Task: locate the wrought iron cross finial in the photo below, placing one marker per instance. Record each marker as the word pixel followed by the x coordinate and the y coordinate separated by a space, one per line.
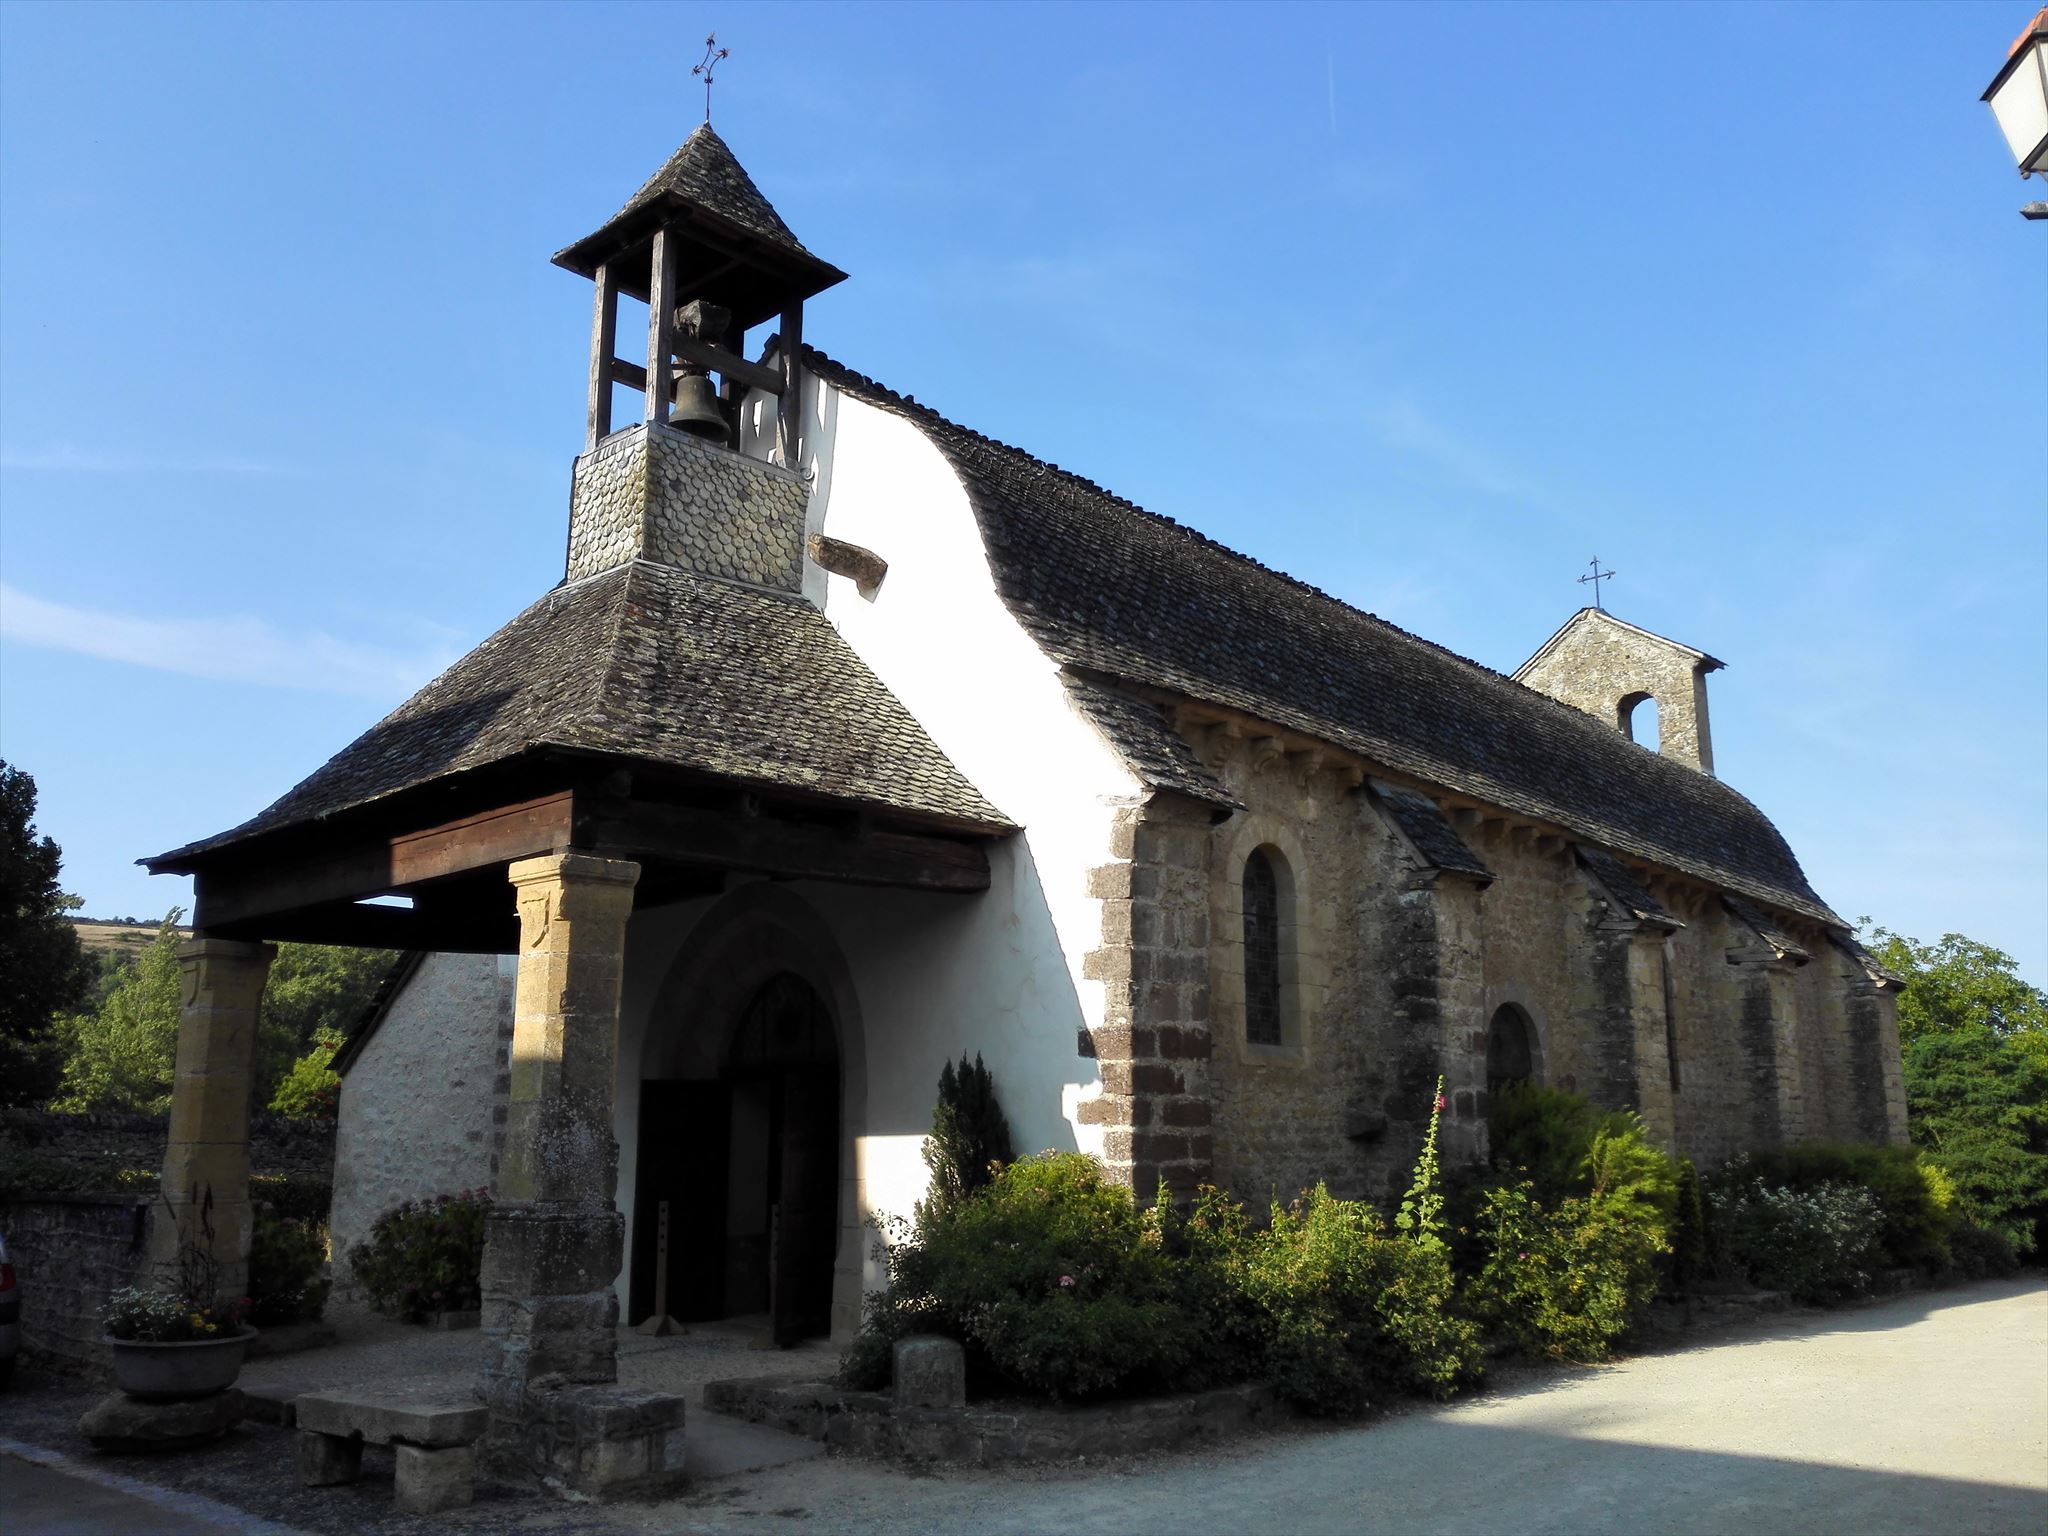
pixel 1596 578
pixel 712 54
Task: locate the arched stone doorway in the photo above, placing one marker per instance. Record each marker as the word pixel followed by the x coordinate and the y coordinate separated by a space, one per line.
pixel 1510 1050
pixel 749 1098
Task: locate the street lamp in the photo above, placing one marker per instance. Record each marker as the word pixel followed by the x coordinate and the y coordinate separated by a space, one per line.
pixel 2019 100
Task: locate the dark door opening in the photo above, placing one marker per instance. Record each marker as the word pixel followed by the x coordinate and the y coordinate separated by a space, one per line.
pixel 749 1164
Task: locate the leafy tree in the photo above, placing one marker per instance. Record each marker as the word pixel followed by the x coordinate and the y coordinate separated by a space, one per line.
pixel 1975 1039
pixel 312 987
pixel 969 1136
pixel 122 1055
pixel 43 972
pixel 311 1090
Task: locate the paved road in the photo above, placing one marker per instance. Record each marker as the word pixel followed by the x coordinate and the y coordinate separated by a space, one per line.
pixel 55 1495
pixel 1923 1414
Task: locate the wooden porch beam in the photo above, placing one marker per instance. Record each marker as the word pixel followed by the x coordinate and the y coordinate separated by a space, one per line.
pixel 656 834
pixel 233 898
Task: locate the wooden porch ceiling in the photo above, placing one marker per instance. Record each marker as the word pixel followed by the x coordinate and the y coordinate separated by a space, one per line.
pixel 454 872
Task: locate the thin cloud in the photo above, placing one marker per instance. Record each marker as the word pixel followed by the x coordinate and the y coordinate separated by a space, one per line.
pixel 1404 425
pixel 70 459
pixel 239 649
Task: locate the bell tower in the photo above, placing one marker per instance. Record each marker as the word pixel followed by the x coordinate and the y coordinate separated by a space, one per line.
pixel 701 246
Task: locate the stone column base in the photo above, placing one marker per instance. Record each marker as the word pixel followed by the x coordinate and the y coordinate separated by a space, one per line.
pixel 597 1442
pixel 550 1315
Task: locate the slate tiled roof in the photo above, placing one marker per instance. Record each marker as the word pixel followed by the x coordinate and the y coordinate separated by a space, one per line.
pixel 1870 965
pixel 1766 928
pixel 704 174
pixel 1111 589
pixel 1423 823
pixel 657 665
pixel 1142 735
pixel 1624 887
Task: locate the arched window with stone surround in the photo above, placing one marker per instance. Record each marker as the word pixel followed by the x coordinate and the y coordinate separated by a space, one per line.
pixel 1262 1018
pixel 1510 1049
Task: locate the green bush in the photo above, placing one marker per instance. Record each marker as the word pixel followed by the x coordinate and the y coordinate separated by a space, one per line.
pixel 1210 1246
pixel 1543 1135
pixel 1820 1243
pixel 1569 1279
pixel 424 1256
pixel 287 1270
pixel 1356 1314
pixel 1914 1198
pixel 303 1197
pixel 1050 1276
pixel 1691 1238
pixel 1982 1253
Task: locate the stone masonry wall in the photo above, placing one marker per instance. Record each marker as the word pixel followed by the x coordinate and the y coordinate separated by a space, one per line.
pixel 123 1140
pixel 654 493
pixel 1391 971
pixel 70 1252
pixel 418 1103
pixel 1153 1047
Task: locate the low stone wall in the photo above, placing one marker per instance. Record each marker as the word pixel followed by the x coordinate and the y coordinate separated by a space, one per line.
pixel 68 1252
pixel 870 1423
pixel 276 1144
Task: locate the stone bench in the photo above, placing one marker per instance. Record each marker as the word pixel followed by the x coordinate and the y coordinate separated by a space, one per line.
pixel 434 1439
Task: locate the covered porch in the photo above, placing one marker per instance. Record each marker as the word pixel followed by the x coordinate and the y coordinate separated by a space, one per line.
pixel 544 857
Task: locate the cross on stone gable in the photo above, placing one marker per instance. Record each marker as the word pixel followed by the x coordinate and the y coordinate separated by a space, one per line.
pixel 1596 578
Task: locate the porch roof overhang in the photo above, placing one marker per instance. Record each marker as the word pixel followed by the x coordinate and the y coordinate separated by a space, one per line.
pixel 447 846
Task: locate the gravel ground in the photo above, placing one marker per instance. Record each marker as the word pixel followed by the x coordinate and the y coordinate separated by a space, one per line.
pixel 1920 1413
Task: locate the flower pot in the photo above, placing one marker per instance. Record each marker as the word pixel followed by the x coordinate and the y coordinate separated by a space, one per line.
pixel 162 1373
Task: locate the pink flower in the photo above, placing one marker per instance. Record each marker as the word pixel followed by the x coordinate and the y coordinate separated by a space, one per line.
pixel 1441 1103
pixel 1067 1282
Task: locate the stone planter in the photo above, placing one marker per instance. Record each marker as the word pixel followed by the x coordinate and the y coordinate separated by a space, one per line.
pixel 163 1373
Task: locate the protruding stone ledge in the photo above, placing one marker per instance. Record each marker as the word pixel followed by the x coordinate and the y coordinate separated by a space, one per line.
pixel 873 1424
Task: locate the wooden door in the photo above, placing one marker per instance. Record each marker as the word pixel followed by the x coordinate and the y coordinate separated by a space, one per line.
pixel 806 1219
pixel 684 1146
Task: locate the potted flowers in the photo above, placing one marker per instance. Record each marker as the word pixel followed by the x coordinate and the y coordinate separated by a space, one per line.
pixel 178 1339
pixel 168 1346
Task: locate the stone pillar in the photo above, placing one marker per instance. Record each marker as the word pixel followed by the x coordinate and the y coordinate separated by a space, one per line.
pixel 1770 1047
pixel 554 1239
pixel 1650 1035
pixel 1153 1047
pixel 1432 943
pixel 1868 1016
pixel 206 1164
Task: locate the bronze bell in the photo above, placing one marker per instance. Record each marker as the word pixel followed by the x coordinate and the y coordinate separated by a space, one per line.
pixel 696 409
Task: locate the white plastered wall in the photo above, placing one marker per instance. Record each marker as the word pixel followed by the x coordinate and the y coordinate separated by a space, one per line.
pixel 935 976
pixel 415 1116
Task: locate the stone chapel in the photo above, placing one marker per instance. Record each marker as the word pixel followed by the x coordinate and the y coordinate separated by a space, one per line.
pixel 851 740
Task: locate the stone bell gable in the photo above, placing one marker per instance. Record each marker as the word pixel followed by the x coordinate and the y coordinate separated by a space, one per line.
pixel 1608 668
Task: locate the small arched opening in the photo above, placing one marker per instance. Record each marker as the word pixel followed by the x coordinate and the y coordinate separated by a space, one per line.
pixel 1510 1050
pixel 1640 720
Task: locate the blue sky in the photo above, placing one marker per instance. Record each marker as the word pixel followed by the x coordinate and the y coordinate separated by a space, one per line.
pixel 1427 305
